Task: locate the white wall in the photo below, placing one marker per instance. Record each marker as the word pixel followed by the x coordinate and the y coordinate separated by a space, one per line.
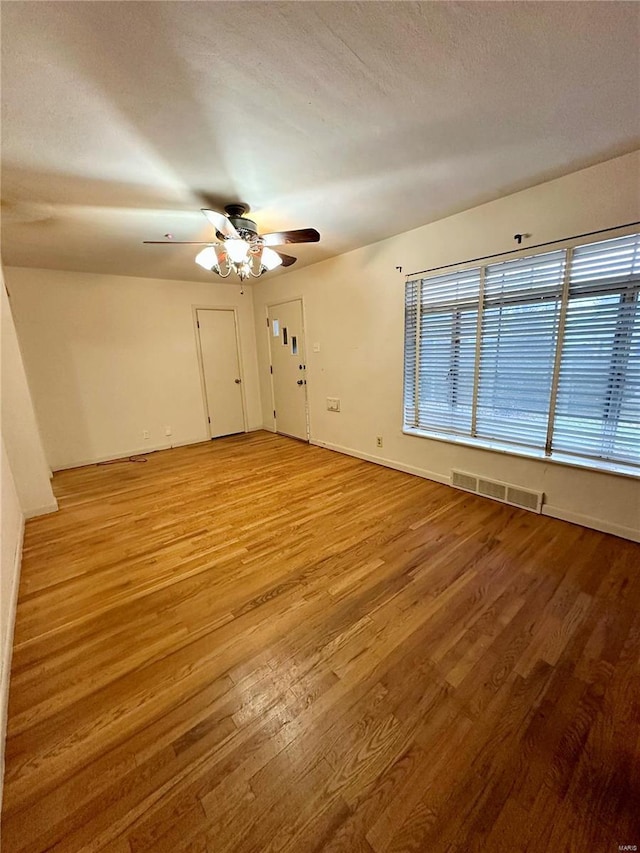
pixel 110 356
pixel 19 425
pixel 26 490
pixel 11 549
pixel 354 306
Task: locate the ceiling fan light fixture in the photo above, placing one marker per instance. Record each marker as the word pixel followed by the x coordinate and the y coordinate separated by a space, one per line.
pixel 240 257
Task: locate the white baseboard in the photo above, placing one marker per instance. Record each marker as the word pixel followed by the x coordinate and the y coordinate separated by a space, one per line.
pixel 123 454
pixel 141 451
pixel 381 460
pixel 7 651
pixel 41 510
pixel 547 509
pixel 593 523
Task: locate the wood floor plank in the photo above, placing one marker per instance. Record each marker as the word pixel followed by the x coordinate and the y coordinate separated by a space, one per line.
pixel 255 645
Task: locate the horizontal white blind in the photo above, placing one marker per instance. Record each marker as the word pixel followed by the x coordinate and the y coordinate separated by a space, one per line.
pixel 519 334
pixel 410 338
pixel 606 264
pixel 598 403
pixel 446 351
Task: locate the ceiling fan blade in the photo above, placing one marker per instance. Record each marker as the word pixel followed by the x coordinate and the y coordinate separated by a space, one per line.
pixel 280 238
pixel 287 260
pixel 221 223
pixel 179 242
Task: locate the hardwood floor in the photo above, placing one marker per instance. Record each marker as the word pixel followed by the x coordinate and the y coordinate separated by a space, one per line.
pixel 257 645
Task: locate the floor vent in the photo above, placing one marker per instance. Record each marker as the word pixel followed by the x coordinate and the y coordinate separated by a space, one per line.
pixel 464 481
pixel 513 495
pixel 492 490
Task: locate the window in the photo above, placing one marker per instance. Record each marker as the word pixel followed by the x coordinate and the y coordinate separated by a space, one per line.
pixel 439 379
pixel 540 353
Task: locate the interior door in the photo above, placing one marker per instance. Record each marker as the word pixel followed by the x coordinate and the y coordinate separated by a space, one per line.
pixel 224 400
pixel 286 342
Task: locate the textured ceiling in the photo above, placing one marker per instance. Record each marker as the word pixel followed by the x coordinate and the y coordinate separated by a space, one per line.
pixel 122 119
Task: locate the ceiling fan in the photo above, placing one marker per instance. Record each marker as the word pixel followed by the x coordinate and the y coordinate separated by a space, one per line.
pixel 239 247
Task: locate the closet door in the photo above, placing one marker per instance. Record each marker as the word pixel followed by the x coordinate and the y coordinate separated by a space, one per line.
pixel 217 334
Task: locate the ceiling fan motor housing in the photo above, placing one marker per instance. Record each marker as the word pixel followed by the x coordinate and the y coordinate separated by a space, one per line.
pixel 245 227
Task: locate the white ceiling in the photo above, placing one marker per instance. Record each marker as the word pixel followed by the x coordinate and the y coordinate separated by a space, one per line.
pixel 122 119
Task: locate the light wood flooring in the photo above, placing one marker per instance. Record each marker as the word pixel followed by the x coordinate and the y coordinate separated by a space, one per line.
pixel 255 645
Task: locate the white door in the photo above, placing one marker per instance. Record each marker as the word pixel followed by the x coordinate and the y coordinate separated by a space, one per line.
pixel 286 342
pixel 221 371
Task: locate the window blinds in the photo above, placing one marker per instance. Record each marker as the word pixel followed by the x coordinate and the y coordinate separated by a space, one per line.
pixel 598 404
pixel 440 362
pixel 541 352
pixel 518 343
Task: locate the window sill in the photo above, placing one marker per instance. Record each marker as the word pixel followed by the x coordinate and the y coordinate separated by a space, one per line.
pixel 619 469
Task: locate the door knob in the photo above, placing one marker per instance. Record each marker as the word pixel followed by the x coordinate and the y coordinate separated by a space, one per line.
pixel 299 382
pixel 237 381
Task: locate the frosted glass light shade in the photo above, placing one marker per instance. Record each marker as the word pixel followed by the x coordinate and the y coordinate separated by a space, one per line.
pixel 207 258
pixel 270 259
pixel 237 250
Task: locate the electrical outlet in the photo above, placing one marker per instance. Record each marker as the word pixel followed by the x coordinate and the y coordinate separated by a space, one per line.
pixel 333 404
pixel 167 430
pixel 146 433
pixel 379 441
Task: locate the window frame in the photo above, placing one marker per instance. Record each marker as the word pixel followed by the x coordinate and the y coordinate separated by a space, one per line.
pixel 500 445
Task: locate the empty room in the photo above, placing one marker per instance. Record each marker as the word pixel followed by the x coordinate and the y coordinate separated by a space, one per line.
pixel 320 427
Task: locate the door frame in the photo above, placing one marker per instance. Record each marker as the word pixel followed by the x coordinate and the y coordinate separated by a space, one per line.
pixel 267 306
pixel 203 387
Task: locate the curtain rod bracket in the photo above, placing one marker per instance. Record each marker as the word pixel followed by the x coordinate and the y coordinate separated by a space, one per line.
pixel 520 237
